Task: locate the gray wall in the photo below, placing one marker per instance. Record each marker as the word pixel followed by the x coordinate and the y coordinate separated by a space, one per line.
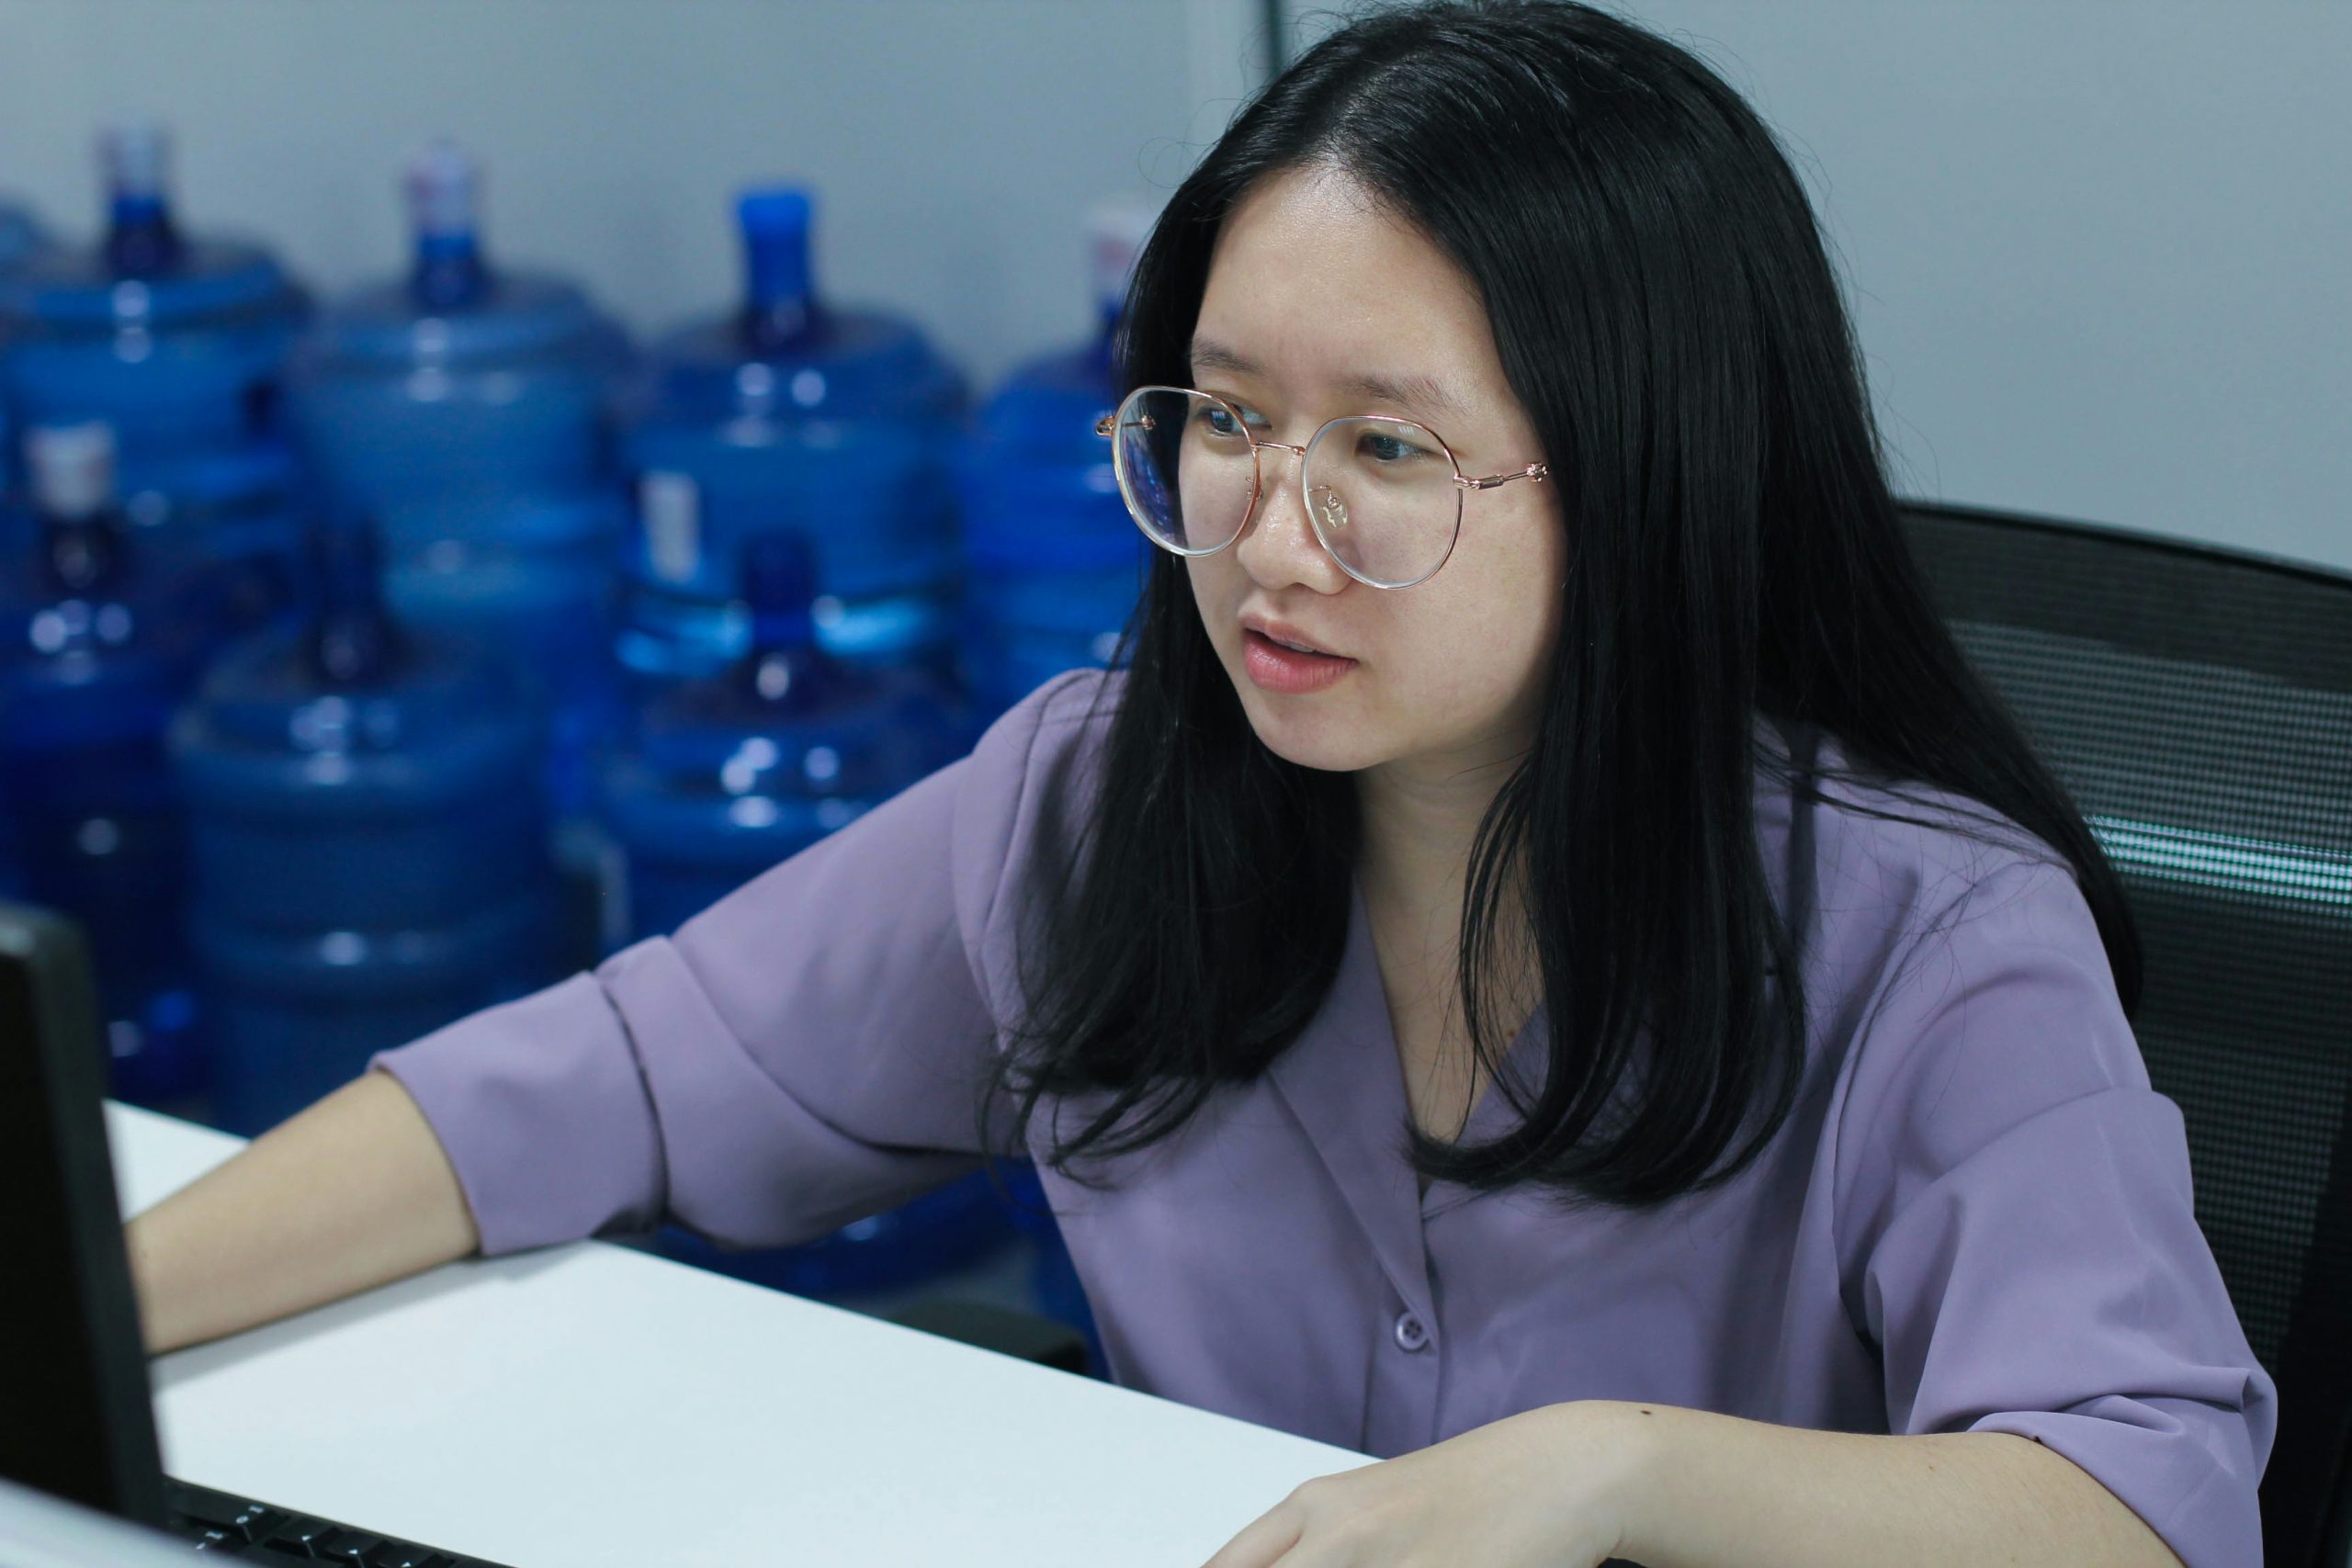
pixel 2100 254
pixel 956 144
pixel 2096 250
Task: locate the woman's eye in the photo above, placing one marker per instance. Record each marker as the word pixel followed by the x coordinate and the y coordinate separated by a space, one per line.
pixel 1221 421
pixel 1388 448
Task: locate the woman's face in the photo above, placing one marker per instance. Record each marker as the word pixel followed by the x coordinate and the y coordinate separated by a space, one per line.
pixel 1319 305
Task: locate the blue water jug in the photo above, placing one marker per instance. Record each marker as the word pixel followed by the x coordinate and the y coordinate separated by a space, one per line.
pixel 178 343
pixel 1052 563
pixel 467 408
pixel 721 778
pixel 788 413
pixel 368 839
pixel 103 636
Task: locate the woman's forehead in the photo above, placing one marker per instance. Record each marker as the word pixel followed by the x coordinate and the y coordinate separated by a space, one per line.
pixel 1311 278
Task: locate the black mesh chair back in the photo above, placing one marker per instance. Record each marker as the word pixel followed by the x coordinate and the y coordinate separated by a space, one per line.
pixel 2199 705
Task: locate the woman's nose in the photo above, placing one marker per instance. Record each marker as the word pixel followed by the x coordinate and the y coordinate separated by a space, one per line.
pixel 1278 547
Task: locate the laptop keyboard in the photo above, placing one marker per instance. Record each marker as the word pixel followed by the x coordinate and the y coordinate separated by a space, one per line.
pixel 256 1533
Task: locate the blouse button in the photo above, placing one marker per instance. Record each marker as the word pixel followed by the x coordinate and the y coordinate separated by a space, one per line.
pixel 1411 1335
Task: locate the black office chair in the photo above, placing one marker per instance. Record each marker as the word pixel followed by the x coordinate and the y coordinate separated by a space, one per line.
pixel 2197 702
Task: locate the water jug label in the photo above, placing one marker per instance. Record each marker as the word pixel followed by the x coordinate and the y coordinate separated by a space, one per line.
pixel 671 508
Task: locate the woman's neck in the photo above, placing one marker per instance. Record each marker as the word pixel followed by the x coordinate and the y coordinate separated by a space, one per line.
pixel 1420 826
pixel 1419 823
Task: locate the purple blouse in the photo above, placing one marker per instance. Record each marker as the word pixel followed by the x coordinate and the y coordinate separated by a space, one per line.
pixel 1977 1218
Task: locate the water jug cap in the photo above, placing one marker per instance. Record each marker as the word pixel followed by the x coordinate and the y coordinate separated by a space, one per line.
pixel 774 209
pixel 775 221
pixel 443 182
pixel 1116 229
pixel 136 157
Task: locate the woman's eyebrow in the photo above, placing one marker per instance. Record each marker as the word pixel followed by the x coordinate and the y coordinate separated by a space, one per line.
pixel 1208 355
pixel 1425 393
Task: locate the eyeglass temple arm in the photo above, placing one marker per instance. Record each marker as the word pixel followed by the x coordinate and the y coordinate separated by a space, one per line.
pixel 1535 471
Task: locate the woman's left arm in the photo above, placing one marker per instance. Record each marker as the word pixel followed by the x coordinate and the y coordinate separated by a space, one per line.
pixel 1572 1485
pixel 1718 1491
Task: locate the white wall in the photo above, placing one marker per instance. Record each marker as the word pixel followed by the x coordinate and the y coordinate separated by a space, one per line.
pixel 955 144
pixel 2100 254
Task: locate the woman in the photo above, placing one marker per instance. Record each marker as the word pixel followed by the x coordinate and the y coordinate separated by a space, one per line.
pixel 1532 686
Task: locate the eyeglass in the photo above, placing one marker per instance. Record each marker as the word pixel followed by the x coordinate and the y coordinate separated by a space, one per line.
pixel 1384 494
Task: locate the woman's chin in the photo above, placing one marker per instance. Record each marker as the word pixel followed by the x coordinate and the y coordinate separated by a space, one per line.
pixel 1323 736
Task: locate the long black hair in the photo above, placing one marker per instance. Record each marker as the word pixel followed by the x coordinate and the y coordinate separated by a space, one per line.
pixel 1668 317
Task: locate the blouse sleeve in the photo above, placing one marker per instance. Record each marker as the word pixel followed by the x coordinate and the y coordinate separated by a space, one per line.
pixel 2016 1233
pixel 810 1050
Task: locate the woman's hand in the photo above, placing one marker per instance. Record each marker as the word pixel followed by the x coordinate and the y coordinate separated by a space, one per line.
pixel 1543 1489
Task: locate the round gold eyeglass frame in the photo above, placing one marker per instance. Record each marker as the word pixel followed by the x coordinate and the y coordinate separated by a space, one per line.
pixel 1108 427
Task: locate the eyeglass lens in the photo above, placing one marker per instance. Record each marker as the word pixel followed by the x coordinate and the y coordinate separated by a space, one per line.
pixel 1380 491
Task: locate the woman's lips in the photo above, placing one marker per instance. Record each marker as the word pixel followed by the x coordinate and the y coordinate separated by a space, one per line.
pixel 1272 667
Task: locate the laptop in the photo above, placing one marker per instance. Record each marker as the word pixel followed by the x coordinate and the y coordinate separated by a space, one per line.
pixel 76 1416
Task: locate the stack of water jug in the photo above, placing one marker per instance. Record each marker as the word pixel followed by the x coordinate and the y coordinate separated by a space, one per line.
pixel 365 661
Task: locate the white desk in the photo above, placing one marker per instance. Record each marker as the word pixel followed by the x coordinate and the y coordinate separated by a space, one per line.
pixel 592 1405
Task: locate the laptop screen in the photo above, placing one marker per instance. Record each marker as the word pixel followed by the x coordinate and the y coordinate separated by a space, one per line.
pixel 76 1418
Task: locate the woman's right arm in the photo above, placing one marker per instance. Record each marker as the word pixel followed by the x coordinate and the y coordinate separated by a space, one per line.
pixel 352 1192
pixel 811 1050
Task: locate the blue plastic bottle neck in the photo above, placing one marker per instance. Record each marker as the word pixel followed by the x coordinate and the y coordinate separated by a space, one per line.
pixel 780 309
pixel 353 640
pixel 141 240
pixel 83 556
pixel 449 273
pixel 70 480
